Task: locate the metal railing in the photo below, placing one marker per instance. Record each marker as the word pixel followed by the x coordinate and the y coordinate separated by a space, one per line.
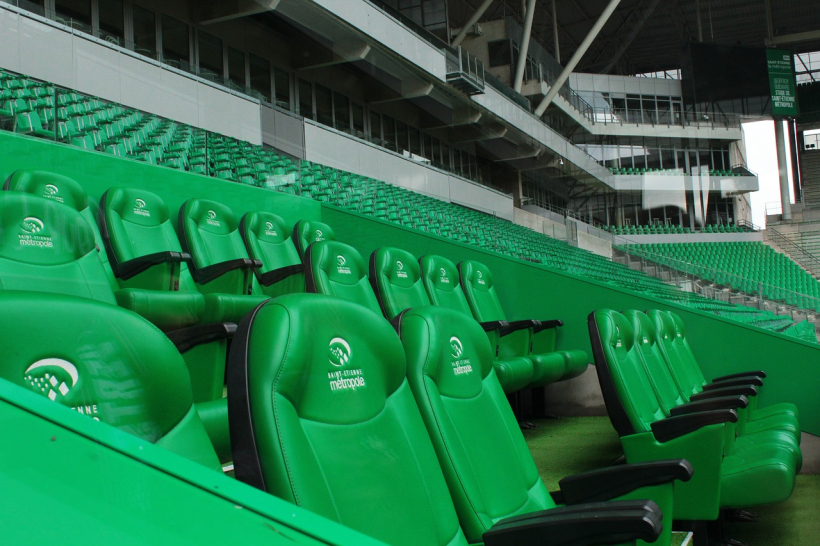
pixel 465 71
pixel 796 251
pixel 617 116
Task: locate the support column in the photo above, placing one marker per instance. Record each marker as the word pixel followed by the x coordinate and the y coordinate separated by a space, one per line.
pixel 700 24
pixel 525 46
pixel 780 138
pixel 576 58
pixel 470 22
pixel 796 147
pixel 555 33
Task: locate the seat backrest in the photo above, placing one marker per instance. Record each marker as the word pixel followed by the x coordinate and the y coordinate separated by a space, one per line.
pixel 336 269
pixel 628 394
pixel 104 362
pixel 396 279
pixel 689 379
pixel 209 232
pixel 684 351
pixel 136 223
pixel 648 342
pixel 48 247
pixel 306 232
pixel 321 415
pixel 67 191
pixel 441 281
pixel 487 464
pixel 477 284
pixel 268 240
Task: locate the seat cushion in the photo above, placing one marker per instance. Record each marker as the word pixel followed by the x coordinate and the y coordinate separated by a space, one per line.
pixel 513 373
pixel 547 368
pixel 165 310
pixel 229 307
pixel 576 362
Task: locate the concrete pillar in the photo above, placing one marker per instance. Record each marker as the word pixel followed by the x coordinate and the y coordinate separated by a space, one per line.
pixel 782 159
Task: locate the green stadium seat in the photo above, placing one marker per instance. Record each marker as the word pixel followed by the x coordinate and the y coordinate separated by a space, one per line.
pixel 549 365
pixel 336 269
pixel 441 282
pixel 306 232
pixel 323 417
pixel 722 479
pixel 117 368
pixel 450 371
pixel 268 240
pixel 396 279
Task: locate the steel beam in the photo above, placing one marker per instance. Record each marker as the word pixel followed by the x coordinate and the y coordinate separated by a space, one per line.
pixel 809 36
pixel 525 47
pixel 635 28
pixel 579 53
pixel 470 22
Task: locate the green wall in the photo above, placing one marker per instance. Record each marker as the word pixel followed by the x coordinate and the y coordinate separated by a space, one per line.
pixel 530 290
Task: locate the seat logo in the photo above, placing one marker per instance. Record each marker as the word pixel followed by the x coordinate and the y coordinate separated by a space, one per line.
pixel 456 348
pixel 139 208
pixel 339 352
pixel 268 225
pixel 51 189
pixel 399 265
pixel 211 220
pixel 211 215
pixel 443 272
pixel 340 260
pixel 32 225
pixel 269 229
pixel 53 377
pixel 479 274
pixel 319 235
pixel 139 203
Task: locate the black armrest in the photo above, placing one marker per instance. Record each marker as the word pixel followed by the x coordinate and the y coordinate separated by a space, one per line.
pixel 759 373
pixel 745 390
pixel 204 275
pixel 718 403
pixel 680 425
pixel 126 270
pixel 275 275
pixel 748 380
pixel 504 327
pixel 608 483
pixel 546 325
pixel 187 338
pixel 596 523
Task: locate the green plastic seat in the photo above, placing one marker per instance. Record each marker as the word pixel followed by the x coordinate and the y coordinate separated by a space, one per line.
pixel 549 365
pixel 306 232
pixel 322 416
pixel 396 279
pixel 336 269
pixel 103 362
pixel 440 278
pixel 268 240
pixel 690 381
pixel 721 479
pixel 476 436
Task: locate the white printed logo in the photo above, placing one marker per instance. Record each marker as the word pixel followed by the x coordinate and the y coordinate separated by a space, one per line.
pixel 51 189
pixel 211 215
pixel 399 265
pixel 32 225
pixel 479 274
pixel 319 235
pixel 139 208
pixel 339 352
pixel 211 220
pixel 139 203
pixel 52 376
pixel 268 225
pixel 456 348
pixel 340 260
pixel 443 272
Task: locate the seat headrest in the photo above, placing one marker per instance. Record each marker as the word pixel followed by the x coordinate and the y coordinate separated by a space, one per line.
pixel 49 185
pixel 643 329
pixel 306 232
pixel 396 266
pixel 340 262
pixel 136 206
pixel 40 231
pixel 209 216
pixel 664 325
pixel 439 272
pixel 266 226
pixel 614 329
pixel 476 274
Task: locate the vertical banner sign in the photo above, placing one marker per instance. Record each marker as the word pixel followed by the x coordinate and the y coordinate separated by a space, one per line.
pixel 781 82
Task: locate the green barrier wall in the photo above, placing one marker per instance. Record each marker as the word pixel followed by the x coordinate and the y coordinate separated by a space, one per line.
pixel 530 290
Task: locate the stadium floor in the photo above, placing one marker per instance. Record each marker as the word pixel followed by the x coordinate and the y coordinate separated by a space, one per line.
pixel 569 445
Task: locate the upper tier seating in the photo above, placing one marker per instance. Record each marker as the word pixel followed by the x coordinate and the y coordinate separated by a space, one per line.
pixel 268 240
pixel 311 376
pixel 724 476
pixel 476 435
pixel 479 290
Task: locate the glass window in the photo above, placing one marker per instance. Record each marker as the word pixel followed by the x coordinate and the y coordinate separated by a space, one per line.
pixel 112 27
pixel 375 128
pixel 34 6
pixel 499 53
pixel 427 142
pixel 358 119
pixel 210 57
pixel 415 140
pixel 445 156
pixel 281 84
pixel 306 99
pixel 324 105
pixel 176 45
pixel 401 136
pixel 74 13
pixel 145 32
pixel 390 133
pixel 341 109
pixel 260 76
pixel 236 67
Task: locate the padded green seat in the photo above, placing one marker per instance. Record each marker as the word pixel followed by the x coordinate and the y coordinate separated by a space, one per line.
pixel 549 365
pixel 476 436
pixel 721 479
pixel 441 282
pixel 396 279
pixel 690 382
pixel 268 240
pixel 336 269
pixel 306 232
pixel 104 362
pixel 322 416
